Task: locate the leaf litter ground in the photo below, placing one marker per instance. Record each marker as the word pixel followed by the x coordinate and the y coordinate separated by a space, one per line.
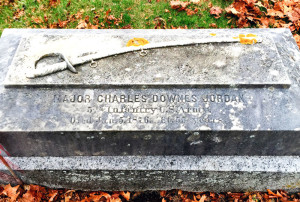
pixel 35 193
pixel 147 14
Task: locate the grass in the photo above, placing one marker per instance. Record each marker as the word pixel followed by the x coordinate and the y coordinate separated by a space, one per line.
pixel 137 14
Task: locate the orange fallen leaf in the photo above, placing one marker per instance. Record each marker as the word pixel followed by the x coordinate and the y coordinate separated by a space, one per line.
pixel 297 38
pixel 52 194
pixel 11 192
pixel 125 195
pixel 29 197
pixel 203 198
pixel 277 195
pixel 37 20
pixel 294 15
pixel 274 13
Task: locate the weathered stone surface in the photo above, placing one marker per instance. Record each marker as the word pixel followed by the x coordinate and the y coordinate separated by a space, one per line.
pixel 212 60
pixel 164 107
pixel 194 173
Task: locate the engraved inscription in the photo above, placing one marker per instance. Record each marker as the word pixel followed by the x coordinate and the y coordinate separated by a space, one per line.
pixel 139 109
pixel 110 98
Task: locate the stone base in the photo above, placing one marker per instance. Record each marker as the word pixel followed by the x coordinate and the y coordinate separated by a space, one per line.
pixel 238 135
pixel 140 173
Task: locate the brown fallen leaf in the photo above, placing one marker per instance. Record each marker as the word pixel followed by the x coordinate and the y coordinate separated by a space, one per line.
pixel 216 11
pixel 82 24
pixel 53 3
pixel 19 13
pixel 179 5
pixel 213 25
pixel 191 12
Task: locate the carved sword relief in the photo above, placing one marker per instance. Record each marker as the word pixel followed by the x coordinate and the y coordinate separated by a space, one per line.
pixel 135 44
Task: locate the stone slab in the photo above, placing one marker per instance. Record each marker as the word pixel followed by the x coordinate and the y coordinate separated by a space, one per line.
pixel 226 127
pixel 193 173
pixel 218 60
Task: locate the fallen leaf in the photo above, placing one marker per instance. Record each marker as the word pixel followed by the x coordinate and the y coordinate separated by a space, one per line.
pixel 52 194
pixel 108 12
pixel 125 195
pixel 179 5
pixel 82 24
pixel 196 1
pixel 127 27
pixel 297 39
pixel 28 197
pixel 68 195
pixel 213 25
pixel 264 21
pixel 62 24
pixel 294 15
pixel 216 11
pixel 19 13
pixel 11 192
pixel 54 2
pixel 160 23
pixel 163 193
pixel 37 20
pixel 203 198
pixel 274 13
pixel 231 10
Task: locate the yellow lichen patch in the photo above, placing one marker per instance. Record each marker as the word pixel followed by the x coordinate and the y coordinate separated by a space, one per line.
pixel 251 35
pixel 213 34
pixel 137 42
pixel 247 39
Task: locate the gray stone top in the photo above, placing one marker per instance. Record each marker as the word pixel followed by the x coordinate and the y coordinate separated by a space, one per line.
pixel 215 85
pixel 171 59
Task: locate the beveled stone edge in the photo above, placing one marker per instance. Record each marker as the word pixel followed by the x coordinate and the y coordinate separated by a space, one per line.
pixel 276 164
